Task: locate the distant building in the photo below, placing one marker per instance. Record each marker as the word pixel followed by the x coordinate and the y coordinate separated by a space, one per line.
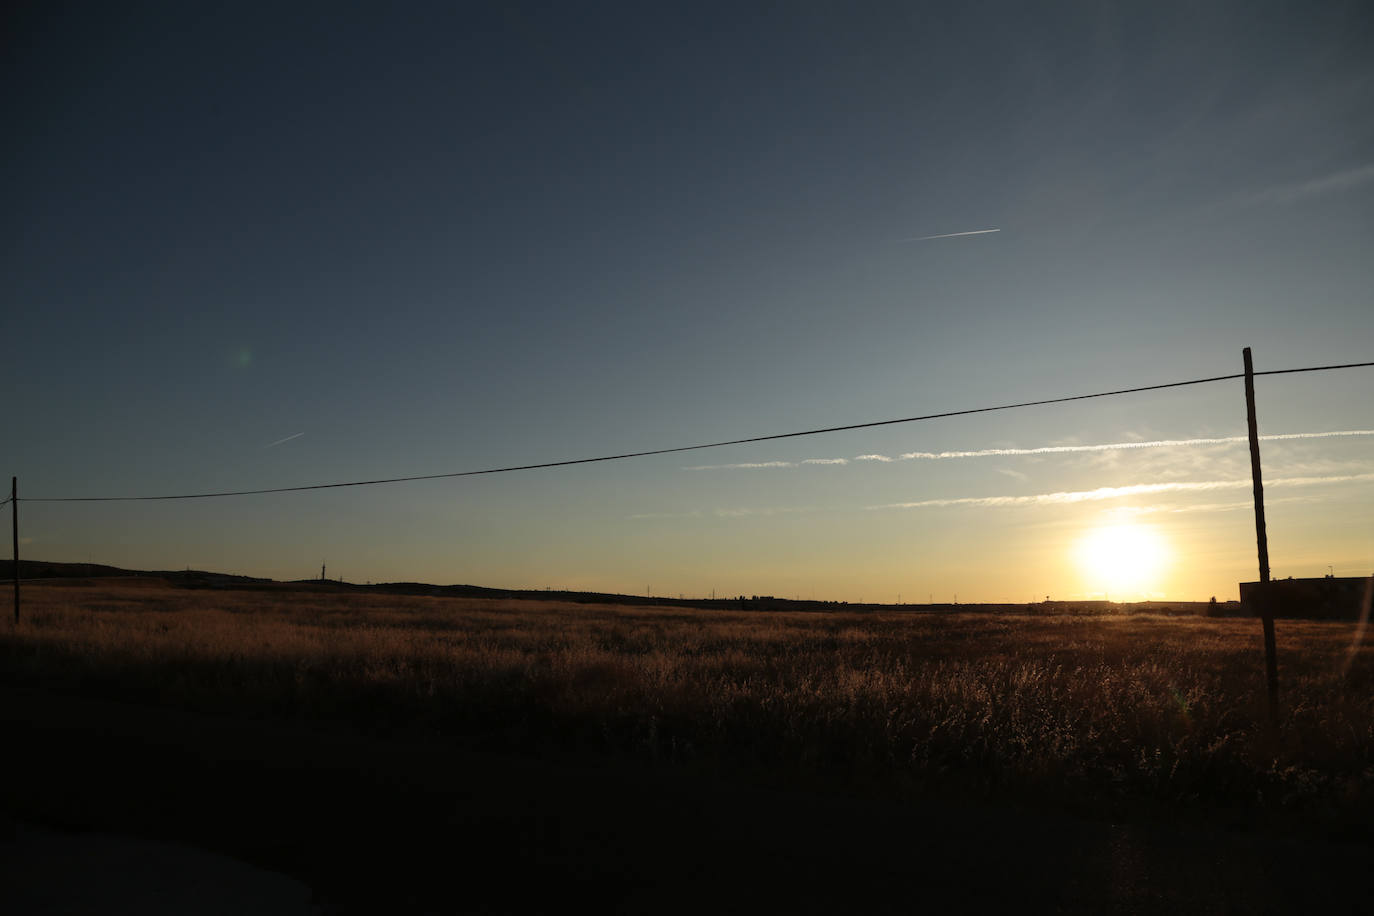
pixel 1327 598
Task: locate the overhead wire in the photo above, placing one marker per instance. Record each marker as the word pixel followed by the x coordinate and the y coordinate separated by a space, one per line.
pixel 688 448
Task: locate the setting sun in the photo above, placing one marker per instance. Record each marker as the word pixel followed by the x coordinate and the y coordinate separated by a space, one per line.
pixel 1123 561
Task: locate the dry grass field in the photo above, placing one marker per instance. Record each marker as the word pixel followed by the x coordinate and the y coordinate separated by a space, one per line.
pixel 1086 711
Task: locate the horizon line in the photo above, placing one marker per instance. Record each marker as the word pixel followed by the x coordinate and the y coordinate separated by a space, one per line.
pixel 667 597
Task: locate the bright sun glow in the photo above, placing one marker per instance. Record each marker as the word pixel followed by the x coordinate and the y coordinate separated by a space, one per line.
pixel 1124 562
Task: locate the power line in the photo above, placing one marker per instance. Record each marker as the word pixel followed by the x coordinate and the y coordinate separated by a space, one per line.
pixel 687 448
pixel 1307 369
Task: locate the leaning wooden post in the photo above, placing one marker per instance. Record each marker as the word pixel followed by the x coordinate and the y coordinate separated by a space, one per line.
pixel 14 529
pixel 1266 608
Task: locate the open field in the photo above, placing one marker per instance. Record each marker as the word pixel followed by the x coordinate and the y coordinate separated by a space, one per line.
pixel 1094 713
pixel 408 754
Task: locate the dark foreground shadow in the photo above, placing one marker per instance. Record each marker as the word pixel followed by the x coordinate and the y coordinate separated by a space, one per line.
pixel 46 871
pixel 392 826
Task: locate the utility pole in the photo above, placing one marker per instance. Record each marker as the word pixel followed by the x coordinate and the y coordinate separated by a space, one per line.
pixel 14 526
pixel 1266 608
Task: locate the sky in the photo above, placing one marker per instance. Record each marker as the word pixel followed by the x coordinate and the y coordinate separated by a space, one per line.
pixel 272 245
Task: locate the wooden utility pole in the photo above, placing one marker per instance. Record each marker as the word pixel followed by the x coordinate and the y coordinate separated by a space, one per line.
pixel 1266 608
pixel 14 526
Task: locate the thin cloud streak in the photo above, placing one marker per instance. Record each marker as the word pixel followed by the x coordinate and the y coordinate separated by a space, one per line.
pixel 280 441
pixel 724 512
pixel 1139 489
pixel 1176 509
pixel 745 511
pixel 1061 498
pixel 1315 187
pixel 745 466
pixel 950 235
pixel 1120 446
pixel 1041 450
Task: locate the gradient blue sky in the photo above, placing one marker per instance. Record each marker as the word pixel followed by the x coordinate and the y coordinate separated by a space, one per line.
pixel 432 238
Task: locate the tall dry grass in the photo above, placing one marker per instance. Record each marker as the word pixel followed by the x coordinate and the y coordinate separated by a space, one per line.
pixel 1094 709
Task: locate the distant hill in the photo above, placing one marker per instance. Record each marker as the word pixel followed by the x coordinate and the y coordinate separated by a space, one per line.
pixel 43 569
pixel 40 569
pixel 196 578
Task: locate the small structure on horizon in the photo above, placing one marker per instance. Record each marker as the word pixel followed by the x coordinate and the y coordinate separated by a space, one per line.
pixel 1327 598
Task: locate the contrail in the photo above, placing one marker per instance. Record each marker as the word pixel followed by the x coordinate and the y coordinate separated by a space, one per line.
pixel 1117 446
pixel 745 466
pixel 1040 450
pixel 280 441
pixel 950 235
pixel 1139 489
pixel 1069 497
pixel 1326 184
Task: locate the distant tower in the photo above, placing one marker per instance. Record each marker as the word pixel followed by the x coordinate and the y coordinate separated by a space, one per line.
pixel 321 572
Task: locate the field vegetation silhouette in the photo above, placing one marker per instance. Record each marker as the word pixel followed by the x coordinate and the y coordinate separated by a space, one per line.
pixel 1090 711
